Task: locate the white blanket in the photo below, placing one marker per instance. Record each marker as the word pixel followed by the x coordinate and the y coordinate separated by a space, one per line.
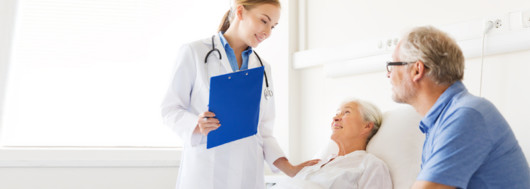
pixel 357 169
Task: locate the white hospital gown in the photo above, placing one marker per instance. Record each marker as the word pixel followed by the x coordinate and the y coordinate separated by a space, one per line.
pixel 357 169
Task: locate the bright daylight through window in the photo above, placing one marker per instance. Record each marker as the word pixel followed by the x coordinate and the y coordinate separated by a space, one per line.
pixel 93 73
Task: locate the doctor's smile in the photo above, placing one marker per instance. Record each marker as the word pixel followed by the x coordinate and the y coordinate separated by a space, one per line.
pixel 260 39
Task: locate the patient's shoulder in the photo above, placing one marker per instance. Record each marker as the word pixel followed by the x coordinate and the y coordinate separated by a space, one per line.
pixel 364 159
pixel 370 160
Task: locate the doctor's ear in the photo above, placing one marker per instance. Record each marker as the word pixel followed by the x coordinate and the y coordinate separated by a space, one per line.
pixel 239 12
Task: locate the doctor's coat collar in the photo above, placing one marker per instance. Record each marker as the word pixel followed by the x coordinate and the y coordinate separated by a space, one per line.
pixel 218 45
pixel 252 60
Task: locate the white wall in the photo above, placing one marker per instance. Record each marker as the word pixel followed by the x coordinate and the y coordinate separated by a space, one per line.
pixel 73 168
pixel 340 22
pixel 88 178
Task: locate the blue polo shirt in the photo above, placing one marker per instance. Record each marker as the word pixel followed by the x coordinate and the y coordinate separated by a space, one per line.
pixel 232 57
pixel 468 144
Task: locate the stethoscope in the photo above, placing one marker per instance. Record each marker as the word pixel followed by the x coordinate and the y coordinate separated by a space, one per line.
pixel 267 92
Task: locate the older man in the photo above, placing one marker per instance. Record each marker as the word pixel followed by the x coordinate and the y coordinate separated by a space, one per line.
pixel 468 143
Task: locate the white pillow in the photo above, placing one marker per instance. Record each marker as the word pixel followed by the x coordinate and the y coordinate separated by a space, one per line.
pixel 399 143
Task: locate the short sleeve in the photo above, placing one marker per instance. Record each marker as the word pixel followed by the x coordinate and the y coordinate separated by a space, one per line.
pixel 459 147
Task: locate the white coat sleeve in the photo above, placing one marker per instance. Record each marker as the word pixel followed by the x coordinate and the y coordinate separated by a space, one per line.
pixel 376 175
pixel 271 148
pixel 176 104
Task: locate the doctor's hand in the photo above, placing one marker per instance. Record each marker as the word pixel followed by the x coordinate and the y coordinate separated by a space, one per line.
pixel 291 170
pixel 206 123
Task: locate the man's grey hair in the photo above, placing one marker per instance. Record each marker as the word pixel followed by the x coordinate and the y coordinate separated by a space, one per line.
pixel 438 52
pixel 369 113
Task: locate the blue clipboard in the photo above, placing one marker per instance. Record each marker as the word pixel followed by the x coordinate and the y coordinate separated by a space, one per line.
pixel 235 100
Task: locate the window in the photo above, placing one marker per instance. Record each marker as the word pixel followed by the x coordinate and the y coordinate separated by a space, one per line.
pixel 94 72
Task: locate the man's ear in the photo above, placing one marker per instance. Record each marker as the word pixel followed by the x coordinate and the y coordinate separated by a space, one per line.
pixel 418 71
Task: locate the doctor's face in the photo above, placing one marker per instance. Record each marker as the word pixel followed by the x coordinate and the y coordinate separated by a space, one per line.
pixel 257 23
pixel 347 124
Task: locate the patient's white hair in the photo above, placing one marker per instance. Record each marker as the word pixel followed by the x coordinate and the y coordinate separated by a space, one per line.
pixel 370 113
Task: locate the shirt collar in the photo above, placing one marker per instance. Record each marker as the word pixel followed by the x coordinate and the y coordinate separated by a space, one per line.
pixel 229 49
pixel 430 118
pixel 223 40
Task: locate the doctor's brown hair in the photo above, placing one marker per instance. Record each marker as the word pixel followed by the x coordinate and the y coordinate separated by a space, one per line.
pixel 247 4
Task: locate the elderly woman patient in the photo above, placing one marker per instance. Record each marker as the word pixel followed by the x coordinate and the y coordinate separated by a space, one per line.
pixel 353 126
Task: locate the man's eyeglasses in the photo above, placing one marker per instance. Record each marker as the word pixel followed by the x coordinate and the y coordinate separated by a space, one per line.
pixel 389 65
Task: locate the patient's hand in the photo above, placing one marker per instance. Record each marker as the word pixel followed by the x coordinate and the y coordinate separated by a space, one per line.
pixel 291 170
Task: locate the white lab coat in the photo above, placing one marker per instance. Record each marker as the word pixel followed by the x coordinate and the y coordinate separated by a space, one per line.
pixel 237 164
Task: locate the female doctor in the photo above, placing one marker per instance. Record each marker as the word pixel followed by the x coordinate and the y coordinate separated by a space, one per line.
pixel 237 164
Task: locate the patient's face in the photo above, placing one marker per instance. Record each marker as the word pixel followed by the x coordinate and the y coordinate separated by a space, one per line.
pixel 347 123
